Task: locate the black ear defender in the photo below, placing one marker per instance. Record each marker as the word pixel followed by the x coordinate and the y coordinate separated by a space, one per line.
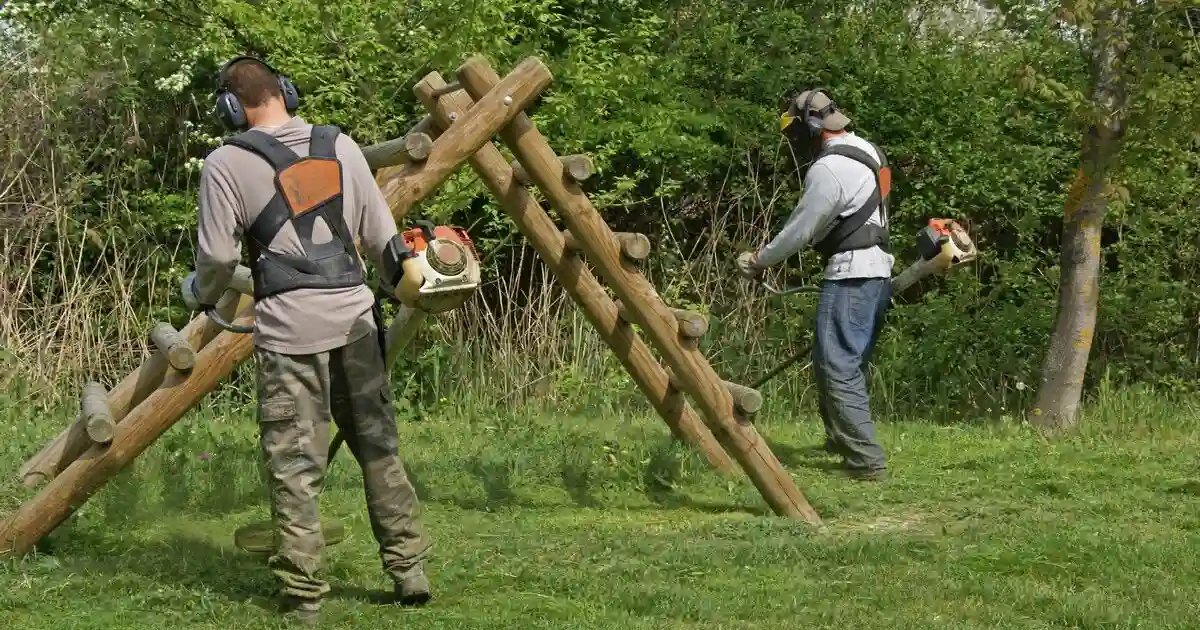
pixel 229 109
pixel 815 125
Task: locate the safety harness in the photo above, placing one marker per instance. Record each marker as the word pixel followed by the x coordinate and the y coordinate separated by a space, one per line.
pixel 306 189
pixel 854 232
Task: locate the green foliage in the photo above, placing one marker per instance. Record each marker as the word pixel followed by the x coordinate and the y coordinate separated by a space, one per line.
pixel 676 102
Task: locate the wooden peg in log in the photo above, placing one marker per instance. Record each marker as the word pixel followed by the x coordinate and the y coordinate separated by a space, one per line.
pixel 578 168
pixel 96 417
pixel 746 400
pixel 417 146
pixel 691 324
pixel 173 346
pixel 634 246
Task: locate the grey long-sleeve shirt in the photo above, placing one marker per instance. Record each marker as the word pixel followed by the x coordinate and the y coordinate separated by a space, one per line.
pixel 235 185
pixel 834 186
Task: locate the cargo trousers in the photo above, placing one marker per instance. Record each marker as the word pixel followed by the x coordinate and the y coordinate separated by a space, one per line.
pixel 850 315
pixel 298 396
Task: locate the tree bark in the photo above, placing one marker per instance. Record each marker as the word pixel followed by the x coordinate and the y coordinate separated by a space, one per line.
pixel 1058 399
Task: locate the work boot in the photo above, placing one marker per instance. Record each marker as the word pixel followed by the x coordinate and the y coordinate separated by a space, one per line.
pixel 302 612
pixel 413 589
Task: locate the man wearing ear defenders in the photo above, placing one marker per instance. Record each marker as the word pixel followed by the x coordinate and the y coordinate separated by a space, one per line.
pixel 299 196
pixel 843 214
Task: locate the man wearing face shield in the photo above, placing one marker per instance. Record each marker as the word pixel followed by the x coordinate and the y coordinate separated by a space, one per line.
pixel 843 214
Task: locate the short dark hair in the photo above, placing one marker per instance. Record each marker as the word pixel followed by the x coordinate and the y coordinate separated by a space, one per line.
pixel 252 83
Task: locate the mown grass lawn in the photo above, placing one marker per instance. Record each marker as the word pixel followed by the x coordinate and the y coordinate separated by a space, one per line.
pixel 598 522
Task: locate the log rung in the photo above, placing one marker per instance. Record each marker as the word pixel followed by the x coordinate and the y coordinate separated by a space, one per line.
pixel 448 88
pixel 97 417
pixel 634 246
pixel 746 400
pixel 577 168
pixel 417 146
pixel 173 346
pixel 692 325
pixel 396 152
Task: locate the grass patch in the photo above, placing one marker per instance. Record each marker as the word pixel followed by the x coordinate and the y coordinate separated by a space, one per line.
pixel 600 521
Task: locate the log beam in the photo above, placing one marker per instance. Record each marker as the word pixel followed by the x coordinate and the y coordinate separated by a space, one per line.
pixel 578 167
pixel 468 133
pixel 173 346
pixel 634 246
pixel 56 455
pixel 596 241
pixel 575 278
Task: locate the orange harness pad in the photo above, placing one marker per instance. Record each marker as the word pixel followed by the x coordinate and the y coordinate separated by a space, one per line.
pixel 309 183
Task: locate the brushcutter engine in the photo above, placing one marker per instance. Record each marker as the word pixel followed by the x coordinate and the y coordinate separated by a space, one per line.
pixel 450 271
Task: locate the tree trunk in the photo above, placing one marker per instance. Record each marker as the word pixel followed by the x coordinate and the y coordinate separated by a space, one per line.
pixel 1057 404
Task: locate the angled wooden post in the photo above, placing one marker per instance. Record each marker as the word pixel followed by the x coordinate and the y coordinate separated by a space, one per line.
pixel 576 279
pixel 468 133
pixel 599 245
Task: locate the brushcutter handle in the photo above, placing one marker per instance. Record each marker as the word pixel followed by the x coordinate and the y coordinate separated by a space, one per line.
pixel 234 328
pixel 808 288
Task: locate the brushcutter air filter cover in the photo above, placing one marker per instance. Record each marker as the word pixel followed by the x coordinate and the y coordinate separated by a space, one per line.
pixel 449 265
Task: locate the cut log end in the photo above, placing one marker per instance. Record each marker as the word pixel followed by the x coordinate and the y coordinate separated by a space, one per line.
pixel 418 146
pixel 577 168
pixel 745 400
pixel 97 417
pixel 634 246
pixel 173 346
pixel 692 325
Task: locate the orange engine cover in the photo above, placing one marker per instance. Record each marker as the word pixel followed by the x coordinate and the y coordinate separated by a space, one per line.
pixel 415 238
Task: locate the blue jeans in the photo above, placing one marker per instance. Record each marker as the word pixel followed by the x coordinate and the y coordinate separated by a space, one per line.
pixel 850 315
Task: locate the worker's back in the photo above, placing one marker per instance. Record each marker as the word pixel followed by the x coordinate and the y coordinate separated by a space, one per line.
pixel 301 320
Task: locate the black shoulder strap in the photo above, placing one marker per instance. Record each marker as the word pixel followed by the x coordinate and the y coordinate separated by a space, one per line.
pixel 324 141
pixel 845 227
pixel 265 145
pixel 854 153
